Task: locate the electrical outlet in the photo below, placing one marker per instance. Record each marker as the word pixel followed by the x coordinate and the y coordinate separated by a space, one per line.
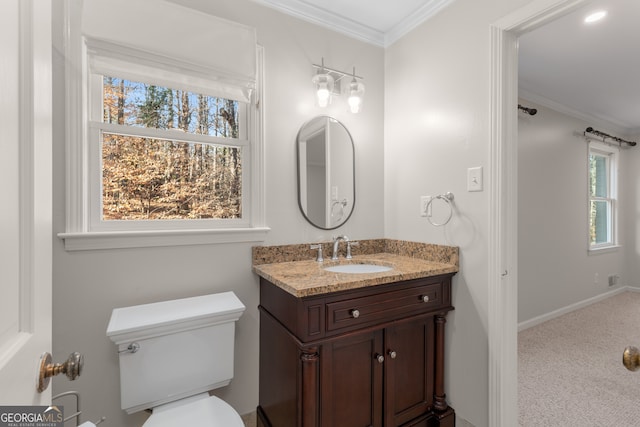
pixel 595 278
pixel 425 207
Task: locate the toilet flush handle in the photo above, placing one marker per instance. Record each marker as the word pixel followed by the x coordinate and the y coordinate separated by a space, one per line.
pixel 132 348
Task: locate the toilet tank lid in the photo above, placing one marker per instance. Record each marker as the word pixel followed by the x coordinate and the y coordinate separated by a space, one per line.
pixel 147 320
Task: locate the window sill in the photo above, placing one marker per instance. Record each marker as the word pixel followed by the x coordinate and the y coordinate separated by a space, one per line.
pixel 145 239
pixel 603 250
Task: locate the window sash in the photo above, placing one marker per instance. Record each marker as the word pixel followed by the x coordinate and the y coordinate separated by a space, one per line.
pixel 96 121
pixel 170 134
pixel 96 127
pixel 96 223
pixel 602 212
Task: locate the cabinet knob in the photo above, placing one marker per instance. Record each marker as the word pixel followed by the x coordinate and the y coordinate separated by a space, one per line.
pixel 355 313
pixel 392 354
pixel 379 358
pixel 425 298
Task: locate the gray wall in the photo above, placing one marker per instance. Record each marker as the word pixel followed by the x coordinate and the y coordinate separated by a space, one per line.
pixel 89 284
pixel 555 269
pixel 437 125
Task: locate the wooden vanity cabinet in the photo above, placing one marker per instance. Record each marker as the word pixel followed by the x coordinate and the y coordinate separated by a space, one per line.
pixel 370 357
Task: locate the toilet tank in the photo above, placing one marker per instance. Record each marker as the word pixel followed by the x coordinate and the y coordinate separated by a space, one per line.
pixel 174 349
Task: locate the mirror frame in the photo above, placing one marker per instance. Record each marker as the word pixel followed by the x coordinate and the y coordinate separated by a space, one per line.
pixel 353 169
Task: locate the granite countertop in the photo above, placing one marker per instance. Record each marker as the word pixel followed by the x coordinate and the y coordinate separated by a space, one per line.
pixel 306 277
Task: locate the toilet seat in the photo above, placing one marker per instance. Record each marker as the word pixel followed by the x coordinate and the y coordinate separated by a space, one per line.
pixel 200 410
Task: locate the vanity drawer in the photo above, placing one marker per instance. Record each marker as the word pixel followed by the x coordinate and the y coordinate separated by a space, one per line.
pixel 385 306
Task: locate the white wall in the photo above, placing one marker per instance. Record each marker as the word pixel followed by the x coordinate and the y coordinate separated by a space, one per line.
pixel 437 116
pixel 88 285
pixel 554 267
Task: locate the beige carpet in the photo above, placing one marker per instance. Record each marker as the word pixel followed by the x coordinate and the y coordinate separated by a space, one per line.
pixel 570 370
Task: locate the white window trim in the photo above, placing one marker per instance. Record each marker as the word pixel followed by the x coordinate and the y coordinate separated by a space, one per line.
pixel 613 153
pixel 78 236
pixel 96 127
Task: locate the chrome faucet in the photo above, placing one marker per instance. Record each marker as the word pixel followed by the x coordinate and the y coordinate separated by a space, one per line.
pixel 336 242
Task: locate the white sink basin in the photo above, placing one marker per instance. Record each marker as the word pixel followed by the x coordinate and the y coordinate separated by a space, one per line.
pixel 358 268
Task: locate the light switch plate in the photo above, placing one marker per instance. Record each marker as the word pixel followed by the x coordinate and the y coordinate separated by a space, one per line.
pixel 474 179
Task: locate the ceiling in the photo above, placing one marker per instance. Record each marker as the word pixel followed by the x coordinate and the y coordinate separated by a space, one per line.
pixel 588 71
pixel 591 70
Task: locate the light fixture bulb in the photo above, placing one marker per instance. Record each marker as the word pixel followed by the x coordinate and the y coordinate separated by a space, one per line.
pixel 324 87
pixel 596 16
pixel 356 92
pixel 323 95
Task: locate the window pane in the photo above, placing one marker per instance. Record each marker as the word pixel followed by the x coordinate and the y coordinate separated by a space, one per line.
pixel 148 179
pixel 598 175
pixel 599 222
pixel 137 104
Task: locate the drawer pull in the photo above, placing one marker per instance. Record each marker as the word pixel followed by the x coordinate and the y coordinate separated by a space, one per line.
pixel 355 313
pixel 425 298
pixel 379 358
pixel 392 354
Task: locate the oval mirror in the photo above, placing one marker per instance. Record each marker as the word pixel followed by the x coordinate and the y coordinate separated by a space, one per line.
pixel 326 172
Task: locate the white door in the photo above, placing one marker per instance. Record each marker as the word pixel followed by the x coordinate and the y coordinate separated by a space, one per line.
pixel 25 199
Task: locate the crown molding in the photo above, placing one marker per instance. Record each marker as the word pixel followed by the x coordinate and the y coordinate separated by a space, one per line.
pixel 327 19
pixel 428 10
pixel 597 120
pixel 351 28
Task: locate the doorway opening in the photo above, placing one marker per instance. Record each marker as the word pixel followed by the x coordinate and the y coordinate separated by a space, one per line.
pixel 503 256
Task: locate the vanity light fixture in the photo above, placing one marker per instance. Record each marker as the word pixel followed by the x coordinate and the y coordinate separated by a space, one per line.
pixel 327 83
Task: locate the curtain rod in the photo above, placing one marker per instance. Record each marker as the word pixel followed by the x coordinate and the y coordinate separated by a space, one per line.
pixel 530 111
pixel 606 136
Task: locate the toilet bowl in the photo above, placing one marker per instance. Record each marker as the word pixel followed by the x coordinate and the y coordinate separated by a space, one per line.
pixel 172 353
pixel 199 410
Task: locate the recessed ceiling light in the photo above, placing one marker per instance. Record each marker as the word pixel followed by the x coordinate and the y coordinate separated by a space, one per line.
pixel 596 16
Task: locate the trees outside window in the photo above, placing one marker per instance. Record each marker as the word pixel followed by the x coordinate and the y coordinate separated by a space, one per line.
pixel 169 154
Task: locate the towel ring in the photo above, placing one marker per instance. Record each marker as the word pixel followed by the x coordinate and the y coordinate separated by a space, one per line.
pixel 448 198
pixel 338 212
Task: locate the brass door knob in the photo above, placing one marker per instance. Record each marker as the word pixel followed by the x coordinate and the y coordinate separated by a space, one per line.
pixel 631 358
pixel 72 368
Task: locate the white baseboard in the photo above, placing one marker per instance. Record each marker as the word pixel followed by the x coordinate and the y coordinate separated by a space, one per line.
pixel 568 309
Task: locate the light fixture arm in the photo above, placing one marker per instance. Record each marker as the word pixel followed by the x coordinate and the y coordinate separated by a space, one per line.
pixel 340 74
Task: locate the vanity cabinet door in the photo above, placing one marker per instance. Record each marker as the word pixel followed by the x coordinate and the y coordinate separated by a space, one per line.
pixel 351 377
pixel 409 370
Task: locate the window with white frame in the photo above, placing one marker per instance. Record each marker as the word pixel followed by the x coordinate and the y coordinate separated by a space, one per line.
pixel 166 158
pixel 603 170
pixel 164 134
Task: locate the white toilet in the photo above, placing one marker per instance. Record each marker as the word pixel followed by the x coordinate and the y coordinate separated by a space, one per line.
pixel 172 353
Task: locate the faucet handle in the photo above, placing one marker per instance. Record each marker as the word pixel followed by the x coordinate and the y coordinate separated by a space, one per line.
pixel 349 244
pixel 319 258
